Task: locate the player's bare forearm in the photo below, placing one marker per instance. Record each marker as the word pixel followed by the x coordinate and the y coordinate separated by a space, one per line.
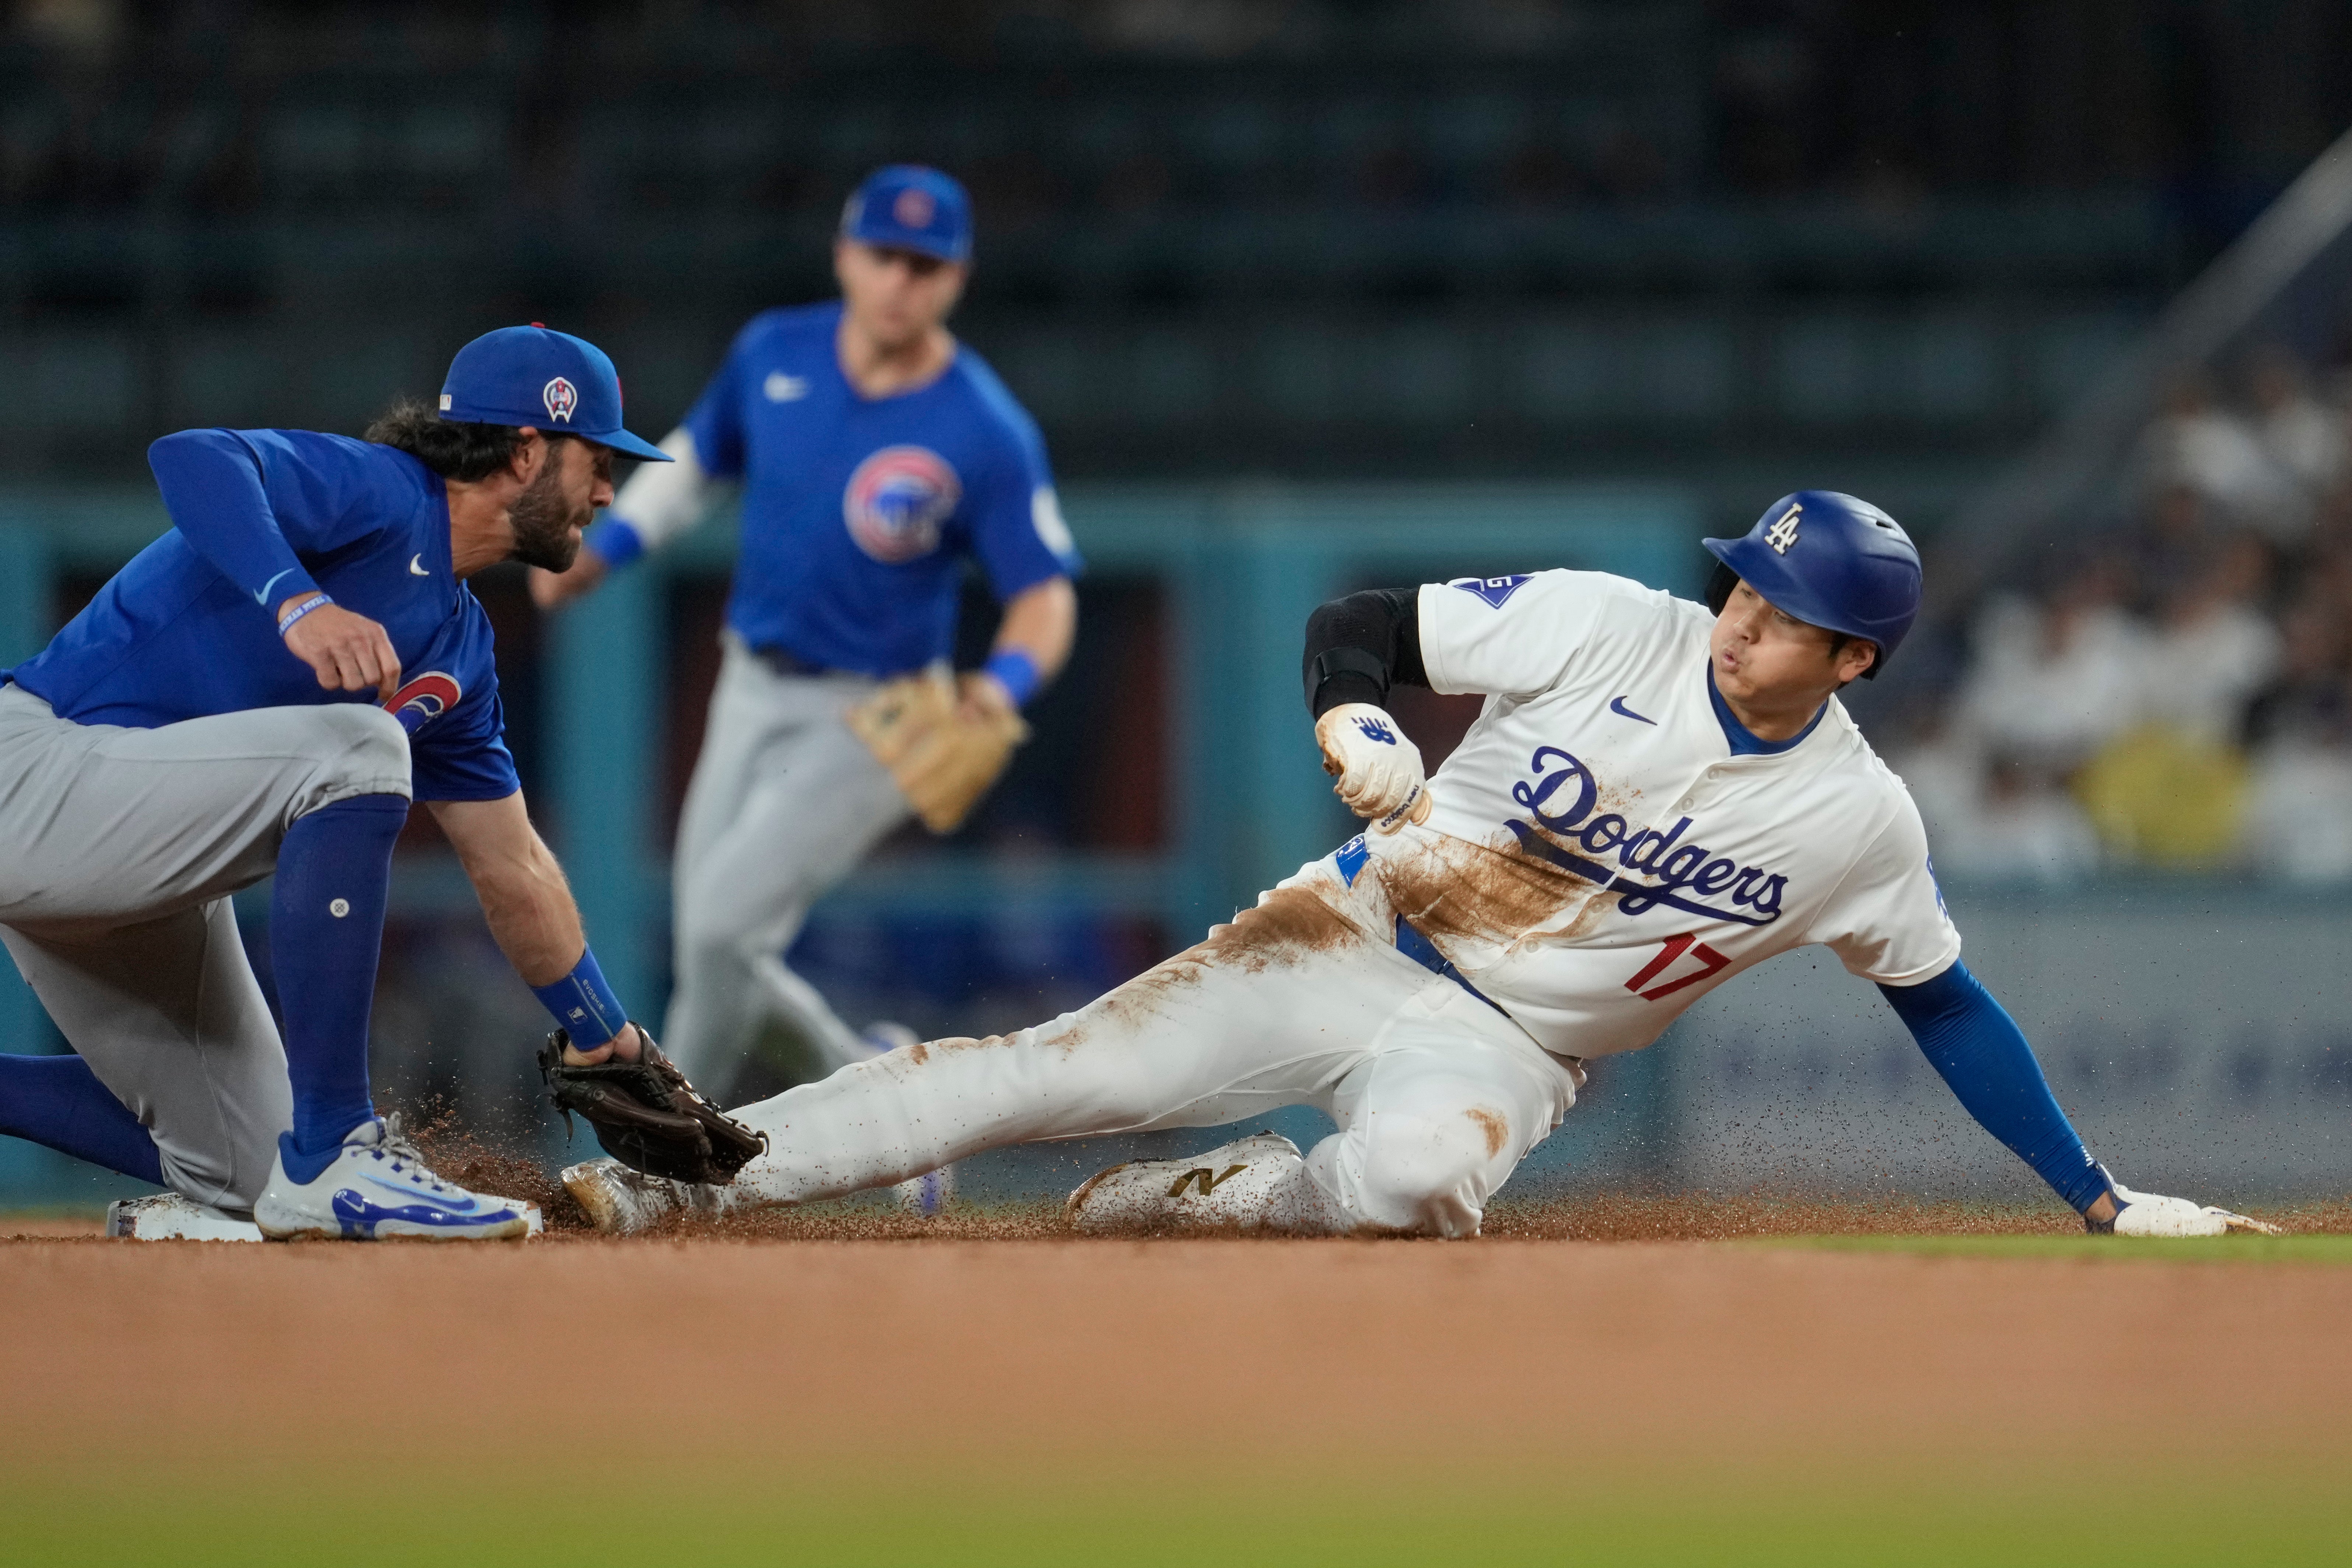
pixel 1040 624
pixel 525 899
pixel 1042 621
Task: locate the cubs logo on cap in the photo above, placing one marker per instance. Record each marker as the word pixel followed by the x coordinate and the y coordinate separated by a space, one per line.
pixel 897 501
pixel 905 206
pixel 535 377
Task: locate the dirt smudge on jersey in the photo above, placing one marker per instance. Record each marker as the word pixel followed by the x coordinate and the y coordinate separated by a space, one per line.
pixel 1454 888
pixel 1497 1130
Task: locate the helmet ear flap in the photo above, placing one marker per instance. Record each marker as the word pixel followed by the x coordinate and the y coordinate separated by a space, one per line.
pixel 1719 585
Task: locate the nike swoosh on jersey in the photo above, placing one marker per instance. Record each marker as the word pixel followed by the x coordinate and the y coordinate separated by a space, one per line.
pixel 416 565
pixel 782 388
pixel 262 598
pixel 1617 706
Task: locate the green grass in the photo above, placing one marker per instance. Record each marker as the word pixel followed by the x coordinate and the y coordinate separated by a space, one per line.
pixel 2105 1248
pixel 530 1516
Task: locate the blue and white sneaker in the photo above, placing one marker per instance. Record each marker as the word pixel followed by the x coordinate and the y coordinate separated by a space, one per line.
pixel 377 1185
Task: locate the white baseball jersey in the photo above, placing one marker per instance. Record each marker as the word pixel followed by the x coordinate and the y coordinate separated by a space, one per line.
pixel 1598 858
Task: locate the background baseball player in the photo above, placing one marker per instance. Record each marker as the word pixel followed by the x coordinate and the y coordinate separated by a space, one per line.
pixel 1651 800
pixel 876 456
pixel 264 689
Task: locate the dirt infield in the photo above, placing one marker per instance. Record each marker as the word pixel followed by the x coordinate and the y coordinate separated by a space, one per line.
pixel 807 1348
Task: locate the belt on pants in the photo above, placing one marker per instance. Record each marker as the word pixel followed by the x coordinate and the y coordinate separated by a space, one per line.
pixel 1423 952
pixel 785 662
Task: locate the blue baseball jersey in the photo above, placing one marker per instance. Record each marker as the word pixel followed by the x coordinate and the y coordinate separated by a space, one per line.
pixel 859 513
pixel 189 627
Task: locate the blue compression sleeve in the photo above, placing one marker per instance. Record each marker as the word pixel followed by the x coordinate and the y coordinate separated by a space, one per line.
pixel 1972 1041
pixel 58 1103
pixel 212 485
pixel 326 929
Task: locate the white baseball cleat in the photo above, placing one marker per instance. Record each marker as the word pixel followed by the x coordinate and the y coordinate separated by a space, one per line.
pixel 621 1201
pixel 1254 1183
pixel 2149 1213
pixel 378 1187
pixel 168 1217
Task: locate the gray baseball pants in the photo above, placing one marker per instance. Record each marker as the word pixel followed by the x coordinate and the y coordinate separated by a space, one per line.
pixel 785 802
pixel 119 850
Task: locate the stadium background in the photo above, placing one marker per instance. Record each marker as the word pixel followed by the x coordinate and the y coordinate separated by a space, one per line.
pixel 1305 296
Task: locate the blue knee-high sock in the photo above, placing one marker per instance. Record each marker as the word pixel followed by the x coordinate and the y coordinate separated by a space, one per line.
pixel 326 927
pixel 58 1102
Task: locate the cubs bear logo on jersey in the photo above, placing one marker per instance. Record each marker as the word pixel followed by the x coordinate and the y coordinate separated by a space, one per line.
pixel 897 500
pixel 425 699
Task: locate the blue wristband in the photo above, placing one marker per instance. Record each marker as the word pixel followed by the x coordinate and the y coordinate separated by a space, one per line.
pixel 614 539
pixel 583 1003
pixel 1015 671
pixel 315 601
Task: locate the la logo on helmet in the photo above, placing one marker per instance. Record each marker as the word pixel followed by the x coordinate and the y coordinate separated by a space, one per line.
pixel 1783 534
pixel 560 397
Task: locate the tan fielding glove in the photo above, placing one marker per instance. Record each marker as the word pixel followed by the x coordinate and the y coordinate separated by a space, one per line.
pixel 944 744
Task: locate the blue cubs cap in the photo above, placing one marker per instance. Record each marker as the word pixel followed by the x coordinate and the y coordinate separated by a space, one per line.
pixel 549 380
pixel 906 207
pixel 1833 561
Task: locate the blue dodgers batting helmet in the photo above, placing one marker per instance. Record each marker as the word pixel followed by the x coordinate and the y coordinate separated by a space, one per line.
pixel 1831 560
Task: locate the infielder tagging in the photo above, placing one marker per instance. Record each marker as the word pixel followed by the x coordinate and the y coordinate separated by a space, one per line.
pixel 264 690
pixel 876 456
pixel 1652 800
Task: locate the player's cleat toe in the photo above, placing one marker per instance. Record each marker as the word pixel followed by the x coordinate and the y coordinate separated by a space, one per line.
pixel 620 1201
pixel 2153 1214
pixel 378 1187
pixel 1258 1183
pixel 168 1217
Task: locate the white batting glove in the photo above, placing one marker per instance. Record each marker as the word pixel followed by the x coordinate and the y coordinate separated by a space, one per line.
pixel 1379 769
pixel 2147 1214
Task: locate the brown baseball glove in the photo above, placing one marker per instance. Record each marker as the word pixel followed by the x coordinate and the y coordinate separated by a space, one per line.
pixel 944 744
pixel 647 1116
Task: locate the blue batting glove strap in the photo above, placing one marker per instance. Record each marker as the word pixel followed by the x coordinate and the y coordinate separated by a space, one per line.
pixel 583 1003
pixel 1016 672
pixel 614 538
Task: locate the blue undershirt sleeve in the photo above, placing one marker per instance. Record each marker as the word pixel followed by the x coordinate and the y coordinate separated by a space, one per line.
pixel 212 485
pixel 1972 1040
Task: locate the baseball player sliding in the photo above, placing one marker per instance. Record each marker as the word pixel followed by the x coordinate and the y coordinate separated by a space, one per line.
pixel 876 456
pixel 1654 799
pixel 264 690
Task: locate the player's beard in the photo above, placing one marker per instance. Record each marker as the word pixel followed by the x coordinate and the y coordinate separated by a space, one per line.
pixel 546 529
